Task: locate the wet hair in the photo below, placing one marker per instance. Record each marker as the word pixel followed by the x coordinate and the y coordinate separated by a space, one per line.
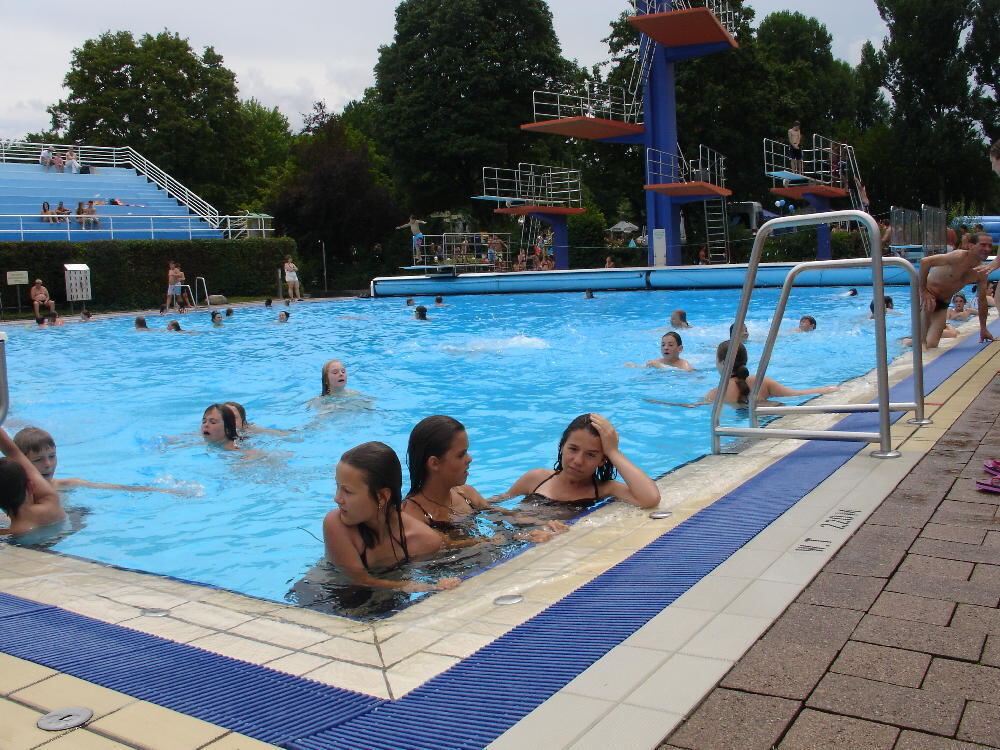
pixel 211 315
pixel 733 326
pixel 681 315
pixel 852 292
pixel 13 486
pixel 40 321
pixel 173 325
pixel 163 309
pixel 431 437
pixel 325 377
pixel 238 407
pixel 382 470
pixel 588 293
pixel 810 318
pixel 288 302
pixel 676 336
pixel 409 301
pixel 439 299
pixel 228 420
pixel 86 314
pixel 421 312
pixel 140 322
pixel 229 312
pixel 888 304
pixel 33 440
pixel 284 315
pixel 739 371
pixel 267 302
pixel 606 471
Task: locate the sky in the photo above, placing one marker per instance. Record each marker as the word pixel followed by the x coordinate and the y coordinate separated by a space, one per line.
pixel 291 55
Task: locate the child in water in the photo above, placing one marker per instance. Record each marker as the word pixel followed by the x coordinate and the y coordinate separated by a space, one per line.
pixel 29 501
pixel 671 347
pixel 368 530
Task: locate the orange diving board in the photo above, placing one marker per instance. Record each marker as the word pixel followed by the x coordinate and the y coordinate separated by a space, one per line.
pixel 683 28
pixel 690 189
pixel 526 210
pixel 799 192
pixel 588 128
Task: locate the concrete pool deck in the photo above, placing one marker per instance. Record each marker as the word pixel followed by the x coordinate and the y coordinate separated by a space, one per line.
pixel 632 696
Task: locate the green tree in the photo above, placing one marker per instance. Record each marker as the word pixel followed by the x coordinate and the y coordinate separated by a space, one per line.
pixel 271 136
pixel 982 49
pixel 453 88
pixel 177 108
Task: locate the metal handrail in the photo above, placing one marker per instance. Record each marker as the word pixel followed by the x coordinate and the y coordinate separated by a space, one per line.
pixel 204 286
pixel 4 391
pixel 883 405
pixel 231 227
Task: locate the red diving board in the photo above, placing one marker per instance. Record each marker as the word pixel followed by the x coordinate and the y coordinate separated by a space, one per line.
pixel 526 210
pixel 690 189
pixel 799 192
pixel 588 128
pixel 682 28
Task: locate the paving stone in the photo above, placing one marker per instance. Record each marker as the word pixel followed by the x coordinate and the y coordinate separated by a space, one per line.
pixel 956 551
pixel 891 704
pixel 981 723
pixel 932 587
pixel 991 653
pixel 810 625
pixel 918 608
pixel 882 664
pixel 967 492
pixel 774 666
pixel 978 619
pixel 903 509
pixel 972 681
pixel 986 575
pixel 949 533
pixel 757 720
pixel 813 729
pixel 873 551
pixel 910 740
pixel 920 636
pixel 966 514
pixel 992 539
pixel 848 592
pixel 935 566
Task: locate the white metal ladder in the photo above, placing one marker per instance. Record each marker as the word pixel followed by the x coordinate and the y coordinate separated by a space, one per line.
pixel 882 405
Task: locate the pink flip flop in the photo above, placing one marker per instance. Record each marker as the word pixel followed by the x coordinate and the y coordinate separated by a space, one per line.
pixel 991 485
pixel 992 467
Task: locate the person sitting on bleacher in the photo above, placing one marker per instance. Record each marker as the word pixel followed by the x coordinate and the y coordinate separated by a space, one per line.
pixel 58 162
pixel 72 164
pixel 45 158
pixel 61 213
pixel 92 213
pixel 81 215
pixel 48 215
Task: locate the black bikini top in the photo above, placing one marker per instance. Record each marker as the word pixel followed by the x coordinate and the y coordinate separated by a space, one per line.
pixel 433 522
pixel 536 496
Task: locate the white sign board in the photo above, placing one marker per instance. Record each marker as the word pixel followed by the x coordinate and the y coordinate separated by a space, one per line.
pixel 77 282
pixel 17 277
pixel 659 247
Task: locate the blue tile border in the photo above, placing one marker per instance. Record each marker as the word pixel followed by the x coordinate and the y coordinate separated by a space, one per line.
pixel 478 699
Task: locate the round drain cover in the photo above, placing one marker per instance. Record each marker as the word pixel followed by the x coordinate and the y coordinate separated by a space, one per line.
pixel 153 612
pixel 657 514
pixel 65 718
pixel 508 599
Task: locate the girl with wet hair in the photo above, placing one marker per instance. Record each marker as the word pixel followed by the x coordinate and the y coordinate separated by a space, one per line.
pixel 586 464
pixel 368 530
pixel 740 381
pixel 218 425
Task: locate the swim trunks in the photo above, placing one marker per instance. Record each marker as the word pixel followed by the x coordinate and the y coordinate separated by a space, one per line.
pixel 941 304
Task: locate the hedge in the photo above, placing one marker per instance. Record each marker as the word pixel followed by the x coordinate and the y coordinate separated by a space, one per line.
pixel 132 274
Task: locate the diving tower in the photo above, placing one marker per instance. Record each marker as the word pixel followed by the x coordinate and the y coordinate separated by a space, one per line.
pixel 645 112
pixel 826 171
pixel 540 192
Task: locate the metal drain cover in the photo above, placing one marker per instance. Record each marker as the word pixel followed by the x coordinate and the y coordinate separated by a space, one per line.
pixel 658 514
pixel 64 718
pixel 508 599
pixel 154 612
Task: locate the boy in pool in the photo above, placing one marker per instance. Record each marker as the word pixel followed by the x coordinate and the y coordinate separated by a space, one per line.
pixel 25 496
pixel 39 449
pixel 671 347
pixel 807 323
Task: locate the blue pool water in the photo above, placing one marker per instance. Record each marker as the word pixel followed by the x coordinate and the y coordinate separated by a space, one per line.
pixel 125 406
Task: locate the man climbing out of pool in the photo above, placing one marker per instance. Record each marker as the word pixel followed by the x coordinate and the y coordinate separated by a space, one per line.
pixel 941 276
pixel 39 447
pixel 25 496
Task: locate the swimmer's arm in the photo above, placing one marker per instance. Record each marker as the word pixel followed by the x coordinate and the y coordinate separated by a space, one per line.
pixel 71 482
pixel 257 430
pixel 657 364
pixel 639 489
pixel 472 495
pixel 695 405
pixel 774 388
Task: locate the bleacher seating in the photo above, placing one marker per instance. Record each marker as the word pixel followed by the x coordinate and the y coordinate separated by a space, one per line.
pixel 24 186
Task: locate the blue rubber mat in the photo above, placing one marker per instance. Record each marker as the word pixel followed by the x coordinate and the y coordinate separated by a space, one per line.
pixel 482 696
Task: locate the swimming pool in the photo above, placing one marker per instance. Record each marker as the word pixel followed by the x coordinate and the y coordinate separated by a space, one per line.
pixel 124 406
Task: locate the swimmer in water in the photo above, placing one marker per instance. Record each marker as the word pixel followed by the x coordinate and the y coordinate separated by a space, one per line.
pixel 217 319
pixel 218 425
pixel 671 347
pixel 746 333
pixel 740 381
pixel 334 379
pixel 959 311
pixel 140 324
pixel 889 308
pixel 439 460
pixel 27 498
pixel 283 316
pixel 679 319
pixel 420 313
pixel 585 468
pixel 807 323
pixel 439 301
pixel 368 530
pixel 40 449
pixel 245 427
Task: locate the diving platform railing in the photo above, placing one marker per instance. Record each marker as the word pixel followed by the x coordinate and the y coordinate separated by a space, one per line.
pixel 114 156
pixel 470 251
pixel 719 8
pixel 128 227
pixel 826 163
pixel 664 167
pixel 592 100
pixel 883 406
pixel 934 222
pixel 905 235
pixel 533 185
pixel 4 390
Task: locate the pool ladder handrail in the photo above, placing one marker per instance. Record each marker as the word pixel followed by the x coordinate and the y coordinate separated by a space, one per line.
pixel 195 292
pixel 4 392
pixel 882 405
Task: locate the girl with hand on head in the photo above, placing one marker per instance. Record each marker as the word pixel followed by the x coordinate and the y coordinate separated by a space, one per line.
pixel 585 469
pixel 368 530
